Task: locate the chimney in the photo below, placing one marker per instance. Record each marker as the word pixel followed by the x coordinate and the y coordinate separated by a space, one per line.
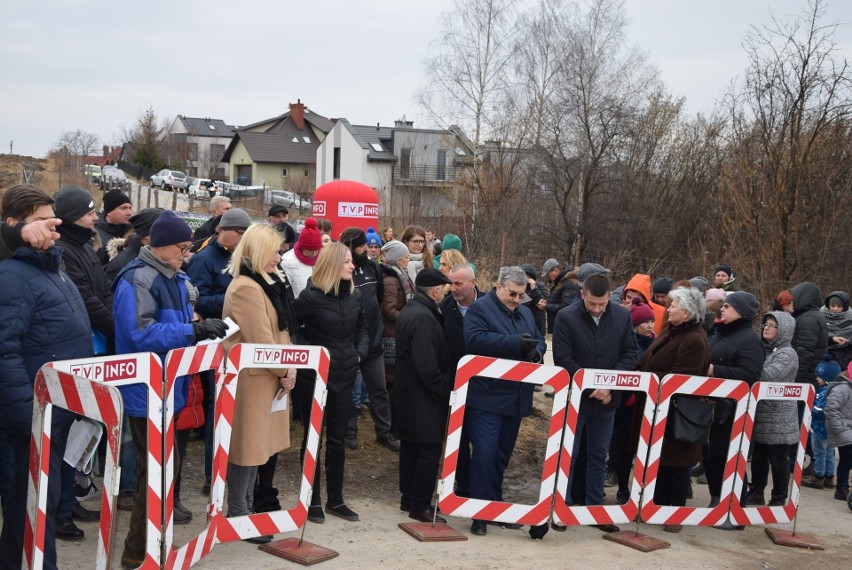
pixel 297 114
pixel 106 151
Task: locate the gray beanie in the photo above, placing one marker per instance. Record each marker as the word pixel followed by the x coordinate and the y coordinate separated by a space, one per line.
pixel 394 250
pixel 72 203
pixel 548 265
pixel 588 269
pixel 700 283
pixel 745 303
pixel 235 219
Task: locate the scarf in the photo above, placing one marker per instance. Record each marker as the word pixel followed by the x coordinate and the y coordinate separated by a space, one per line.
pixel 839 324
pixel 404 279
pixel 309 261
pixel 280 294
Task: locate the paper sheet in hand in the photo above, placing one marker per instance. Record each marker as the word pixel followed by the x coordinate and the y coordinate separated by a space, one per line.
pixel 232 328
pixel 83 441
pixel 279 405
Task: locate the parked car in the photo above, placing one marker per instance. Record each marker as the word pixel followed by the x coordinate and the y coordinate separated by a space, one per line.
pixel 303 203
pixel 93 172
pixel 281 198
pixel 113 178
pixel 169 180
pixel 200 187
pixel 221 188
pixel 237 192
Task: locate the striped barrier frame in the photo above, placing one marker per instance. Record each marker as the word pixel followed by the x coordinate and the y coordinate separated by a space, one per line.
pixel 764 391
pixel 672 384
pixel 618 380
pixel 99 402
pixel 241 357
pixel 182 362
pixel 513 371
pixel 125 370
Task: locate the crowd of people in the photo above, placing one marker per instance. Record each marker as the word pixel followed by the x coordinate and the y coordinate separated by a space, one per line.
pixel 396 317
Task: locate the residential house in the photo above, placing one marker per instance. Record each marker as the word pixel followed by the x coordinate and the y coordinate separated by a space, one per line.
pixel 201 143
pixel 280 152
pixel 110 155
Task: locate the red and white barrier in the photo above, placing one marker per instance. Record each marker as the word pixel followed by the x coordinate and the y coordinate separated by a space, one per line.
pixel 772 391
pixel 241 357
pixel 615 380
pixel 87 398
pixel 697 386
pixel 182 362
pixel 513 371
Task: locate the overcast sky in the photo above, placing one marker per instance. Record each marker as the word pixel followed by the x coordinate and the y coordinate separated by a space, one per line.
pixel 97 65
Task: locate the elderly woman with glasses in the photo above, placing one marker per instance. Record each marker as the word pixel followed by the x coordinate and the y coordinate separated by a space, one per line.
pixel 680 349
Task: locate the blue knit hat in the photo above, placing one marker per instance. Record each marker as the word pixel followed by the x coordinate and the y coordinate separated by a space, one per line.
pixel 169 229
pixel 373 238
pixel 828 369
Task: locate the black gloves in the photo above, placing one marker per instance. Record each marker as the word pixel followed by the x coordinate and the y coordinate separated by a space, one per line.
pixel 209 328
pixel 529 348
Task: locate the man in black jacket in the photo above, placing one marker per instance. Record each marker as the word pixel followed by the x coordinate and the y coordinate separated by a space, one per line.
pixel 423 381
pixel 367 278
pixel 114 222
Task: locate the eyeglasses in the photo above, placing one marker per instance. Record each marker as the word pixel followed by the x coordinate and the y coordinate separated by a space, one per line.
pixel 514 294
pixel 183 248
pixel 239 232
pixel 417 241
pixel 770 326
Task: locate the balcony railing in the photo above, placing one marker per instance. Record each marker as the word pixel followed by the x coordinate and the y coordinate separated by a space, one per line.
pixel 432 175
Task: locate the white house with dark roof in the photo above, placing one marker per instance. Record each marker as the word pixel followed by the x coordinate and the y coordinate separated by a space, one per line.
pixel 279 152
pixel 201 142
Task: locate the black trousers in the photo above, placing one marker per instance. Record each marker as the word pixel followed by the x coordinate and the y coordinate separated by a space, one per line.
pixel 764 457
pixel 418 473
pixel 673 484
pixel 373 372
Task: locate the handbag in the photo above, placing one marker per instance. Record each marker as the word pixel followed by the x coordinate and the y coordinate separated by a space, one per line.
pixel 691 420
pixel 389 349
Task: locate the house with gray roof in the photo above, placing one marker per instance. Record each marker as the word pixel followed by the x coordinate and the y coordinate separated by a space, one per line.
pixel 279 152
pixel 201 142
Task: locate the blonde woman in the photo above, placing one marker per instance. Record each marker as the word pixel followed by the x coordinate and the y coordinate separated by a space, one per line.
pixel 450 259
pixel 331 312
pixel 260 301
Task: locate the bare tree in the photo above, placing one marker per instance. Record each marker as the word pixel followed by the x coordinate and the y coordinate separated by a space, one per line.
pixel 78 143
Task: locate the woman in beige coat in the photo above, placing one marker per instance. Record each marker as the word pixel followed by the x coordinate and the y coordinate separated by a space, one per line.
pixel 259 301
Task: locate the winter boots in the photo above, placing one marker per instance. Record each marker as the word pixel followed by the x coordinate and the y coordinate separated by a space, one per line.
pixel 815 482
pixel 841 493
pixel 828 482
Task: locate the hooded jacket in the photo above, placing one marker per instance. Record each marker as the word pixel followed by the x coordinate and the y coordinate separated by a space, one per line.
pixel 776 422
pixel 642 283
pixel 839 324
pixel 810 340
pixel 107 231
pixel 838 413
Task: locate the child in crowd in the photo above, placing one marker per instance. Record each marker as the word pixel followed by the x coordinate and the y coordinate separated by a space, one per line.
pixel 838 420
pixel 821 477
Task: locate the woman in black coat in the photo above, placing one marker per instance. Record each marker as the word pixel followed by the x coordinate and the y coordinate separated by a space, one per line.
pixel 331 313
pixel 736 353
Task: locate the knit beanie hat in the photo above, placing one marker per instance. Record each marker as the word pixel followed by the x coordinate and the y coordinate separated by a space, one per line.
pixel 354 237
pixel 714 294
pixel 640 312
pixel 828 369
pixel 72 203
pixel 394 250
pixel 451 241
pixel 548 265
pixel 113 199
pixel 169 229
pixel 700 283
pixel 310 238
pixel 372 237
pixel 662 285
pixel 744 302
pixel 143 221
pixel 727 269
pixel 235 219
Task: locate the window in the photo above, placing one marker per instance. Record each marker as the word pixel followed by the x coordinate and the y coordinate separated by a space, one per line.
pixel 295 139
pixel 217 151
pixel 284 172
pixel 441 171
pixel 405 163
pixel 307 173
pixel 376 147
pixel 192 151
pixel 307 140
pixel 336 168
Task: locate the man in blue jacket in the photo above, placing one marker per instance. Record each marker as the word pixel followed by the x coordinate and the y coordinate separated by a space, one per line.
pixel 153 314
pixel 44 319
pixel 594 333
pixel 497 325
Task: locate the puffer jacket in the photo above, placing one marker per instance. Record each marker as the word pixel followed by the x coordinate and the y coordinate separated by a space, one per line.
pixel 152 314
pixel 338 323
pixel 368 279
pixel 776 422
pixel 393 302
pixel 44 319
pixel 838 413
pixel 642 284
pixel 737 353
pixel 297 272
pixel 207 272
pixel 811 338
pixel 192 415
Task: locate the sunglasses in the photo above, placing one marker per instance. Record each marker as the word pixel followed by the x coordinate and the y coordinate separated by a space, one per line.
pixel 514 294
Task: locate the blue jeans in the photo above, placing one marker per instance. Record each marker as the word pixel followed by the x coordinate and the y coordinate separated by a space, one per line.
pixel 492 437
pixel 597 430
pixel 823 457
pixel 359 391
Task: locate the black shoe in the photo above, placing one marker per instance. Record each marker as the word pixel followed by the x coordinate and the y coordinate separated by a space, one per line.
pixel 182 516
pixel 426 516
pixel 351 442
pixel 478 528
pixel 315 514
pixel 404 506
pixel 389 442
pixel 82 514
pixel 67 530
pixel 342 511
pixel 537 532
pixel 755 499
pixel 265 539
pixel 606 527
pixel 179 507
pixel 622 497
pixel 205 489
pixel 130 564
pixel 714 502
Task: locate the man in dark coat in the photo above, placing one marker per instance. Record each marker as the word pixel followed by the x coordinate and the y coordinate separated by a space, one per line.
pixel 810 341
pixel 538 296
pixel 218 206
pixel 498 325
pixel 423 381
pixel 594 333
pixel 114 222
pixel 562 293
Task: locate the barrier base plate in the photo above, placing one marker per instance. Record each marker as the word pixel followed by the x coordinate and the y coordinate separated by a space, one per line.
pixel 425 532
pixel 787 538
pixel 639 541
pixel 306 554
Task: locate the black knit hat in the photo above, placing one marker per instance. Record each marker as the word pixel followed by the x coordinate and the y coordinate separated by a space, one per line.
pixel 169 229
pixel 72 203
pixel 662 285
pixel 113 199
pixel 727 270
pixel 353 237
pixel 744 302
pixel 143 221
